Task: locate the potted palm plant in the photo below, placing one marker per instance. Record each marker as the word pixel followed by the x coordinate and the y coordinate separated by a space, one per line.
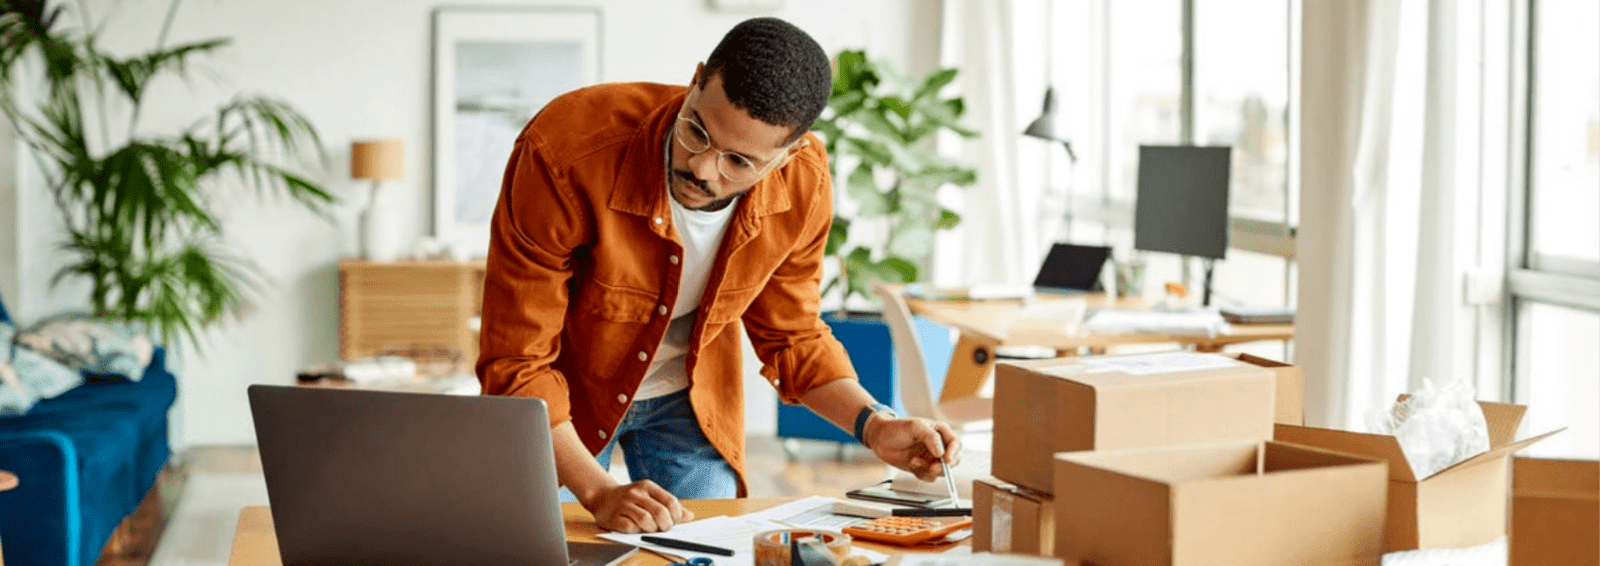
pixel 139 207
pixel 878 130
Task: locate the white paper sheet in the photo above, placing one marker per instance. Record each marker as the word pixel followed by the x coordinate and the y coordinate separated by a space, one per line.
pixel 737 533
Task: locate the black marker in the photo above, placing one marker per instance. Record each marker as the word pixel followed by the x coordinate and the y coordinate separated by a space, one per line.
pixel 686 545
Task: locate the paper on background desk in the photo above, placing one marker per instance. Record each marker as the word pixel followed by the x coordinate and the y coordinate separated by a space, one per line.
pixel 737 533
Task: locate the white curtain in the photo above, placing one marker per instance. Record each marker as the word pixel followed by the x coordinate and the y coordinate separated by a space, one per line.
pixel 998 240
pixel 1389 108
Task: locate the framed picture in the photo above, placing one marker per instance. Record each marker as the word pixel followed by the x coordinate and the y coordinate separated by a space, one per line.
pixel 493 69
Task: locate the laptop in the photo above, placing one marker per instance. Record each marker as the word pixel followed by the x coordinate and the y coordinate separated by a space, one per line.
pixel 378 477
pixel 1071 269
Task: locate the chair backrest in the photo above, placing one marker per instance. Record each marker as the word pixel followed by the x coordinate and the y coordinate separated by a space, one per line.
pixel 916 390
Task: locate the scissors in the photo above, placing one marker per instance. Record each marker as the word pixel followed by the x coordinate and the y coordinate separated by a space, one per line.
pixel 697 561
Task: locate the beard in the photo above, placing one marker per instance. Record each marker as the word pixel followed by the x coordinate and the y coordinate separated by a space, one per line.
pixel 685 177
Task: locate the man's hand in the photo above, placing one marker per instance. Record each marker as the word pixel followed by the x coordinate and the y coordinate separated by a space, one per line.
pixel 913 444
pixel 638 507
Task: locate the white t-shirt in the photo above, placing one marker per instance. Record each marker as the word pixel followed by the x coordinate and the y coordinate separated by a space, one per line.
pixel 701 234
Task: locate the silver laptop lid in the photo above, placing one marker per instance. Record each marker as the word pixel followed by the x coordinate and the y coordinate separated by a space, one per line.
pixel 373 477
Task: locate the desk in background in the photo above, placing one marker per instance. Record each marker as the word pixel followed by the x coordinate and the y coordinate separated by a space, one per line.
pixel 255 543
pixel 985 324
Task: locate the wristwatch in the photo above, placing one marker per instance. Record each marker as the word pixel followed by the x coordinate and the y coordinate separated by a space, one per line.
pixel 866 413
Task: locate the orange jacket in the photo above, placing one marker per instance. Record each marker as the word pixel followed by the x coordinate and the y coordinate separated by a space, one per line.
pixel 582 272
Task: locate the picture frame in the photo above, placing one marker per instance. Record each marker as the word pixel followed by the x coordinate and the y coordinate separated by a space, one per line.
pixel 493 69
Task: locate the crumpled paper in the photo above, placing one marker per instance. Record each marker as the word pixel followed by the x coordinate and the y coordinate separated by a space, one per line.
pixel 1436 426
pixel 1492 554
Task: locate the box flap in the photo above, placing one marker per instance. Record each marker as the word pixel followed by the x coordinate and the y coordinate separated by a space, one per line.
pixel 1381 446
pixel 1499 452
pixel 1543 477
pixel 1503 420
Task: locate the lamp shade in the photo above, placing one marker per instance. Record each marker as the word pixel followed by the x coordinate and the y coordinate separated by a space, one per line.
pixel 380 160
pixel 1044 127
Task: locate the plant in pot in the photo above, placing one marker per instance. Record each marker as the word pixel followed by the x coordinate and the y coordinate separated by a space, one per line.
pixel 140 208
pixel 878 130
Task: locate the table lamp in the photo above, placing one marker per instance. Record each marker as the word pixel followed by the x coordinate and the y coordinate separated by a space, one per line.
pixel 1044 127
pixel 377 160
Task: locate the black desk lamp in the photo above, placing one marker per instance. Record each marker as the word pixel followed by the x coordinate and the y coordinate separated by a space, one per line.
pixel 1044 127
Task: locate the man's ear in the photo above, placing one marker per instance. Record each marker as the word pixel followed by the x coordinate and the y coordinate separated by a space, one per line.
pixel 695 80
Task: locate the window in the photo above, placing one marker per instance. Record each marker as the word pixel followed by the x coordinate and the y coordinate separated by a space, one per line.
pixel 1555 276
pixel 1119 74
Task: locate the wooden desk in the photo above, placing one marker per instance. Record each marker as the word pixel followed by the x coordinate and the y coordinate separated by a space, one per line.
pixel 986 324
pixel 255 543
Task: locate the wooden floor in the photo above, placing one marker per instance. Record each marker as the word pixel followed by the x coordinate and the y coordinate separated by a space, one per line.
pixel 775 468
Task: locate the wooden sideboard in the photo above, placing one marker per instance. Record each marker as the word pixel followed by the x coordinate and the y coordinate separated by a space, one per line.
pixel 409 307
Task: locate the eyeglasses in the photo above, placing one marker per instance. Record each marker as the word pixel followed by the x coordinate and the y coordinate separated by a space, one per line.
pixel 734 167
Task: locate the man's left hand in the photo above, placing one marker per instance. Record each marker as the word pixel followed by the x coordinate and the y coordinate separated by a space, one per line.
pixel 914 444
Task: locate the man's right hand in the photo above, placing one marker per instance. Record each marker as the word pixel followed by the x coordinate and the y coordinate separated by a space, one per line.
pixel 638 507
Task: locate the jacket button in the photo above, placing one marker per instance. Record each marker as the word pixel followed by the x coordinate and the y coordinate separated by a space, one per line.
pixel 643 356
pixel 622 398
pixel 673 259
pixel 662 310
pixel 774 382
pixel 602 434
pixel 659 221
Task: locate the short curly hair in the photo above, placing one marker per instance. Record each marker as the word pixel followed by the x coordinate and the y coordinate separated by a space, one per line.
pixel 774 71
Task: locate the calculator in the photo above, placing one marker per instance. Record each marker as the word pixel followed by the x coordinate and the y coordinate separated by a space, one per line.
pixel 907 531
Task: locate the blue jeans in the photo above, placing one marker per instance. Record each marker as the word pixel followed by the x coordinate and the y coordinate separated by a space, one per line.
pixel 662 442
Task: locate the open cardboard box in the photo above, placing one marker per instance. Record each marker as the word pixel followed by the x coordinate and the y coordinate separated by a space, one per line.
pixel 1555 512
pixel 1133 401
pixel 1011 519
pixel 1242 504
pixel 1460 506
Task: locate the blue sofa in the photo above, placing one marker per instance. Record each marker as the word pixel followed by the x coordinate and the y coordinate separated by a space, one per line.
pixel 84 459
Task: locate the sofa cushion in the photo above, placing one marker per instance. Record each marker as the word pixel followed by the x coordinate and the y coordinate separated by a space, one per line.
pixel 96 347
pixel 27 376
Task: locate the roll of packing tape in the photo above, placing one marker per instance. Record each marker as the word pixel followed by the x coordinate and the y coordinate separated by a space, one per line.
pixel 772 547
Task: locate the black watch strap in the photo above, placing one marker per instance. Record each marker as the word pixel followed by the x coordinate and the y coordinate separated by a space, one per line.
pixel 866 413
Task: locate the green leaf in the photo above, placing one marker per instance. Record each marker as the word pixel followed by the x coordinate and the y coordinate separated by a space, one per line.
pixel 947 219
pixel 861 188
pixel 837 234
pixel 912 241
pixel 898 106
pixel 935 81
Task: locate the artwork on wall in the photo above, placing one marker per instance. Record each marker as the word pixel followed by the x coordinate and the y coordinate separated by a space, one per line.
pixel 493 69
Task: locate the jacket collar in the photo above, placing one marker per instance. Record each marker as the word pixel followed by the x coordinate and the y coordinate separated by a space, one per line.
pixel 640 186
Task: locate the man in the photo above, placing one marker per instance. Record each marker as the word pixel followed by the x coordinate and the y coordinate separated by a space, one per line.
pixel 636 225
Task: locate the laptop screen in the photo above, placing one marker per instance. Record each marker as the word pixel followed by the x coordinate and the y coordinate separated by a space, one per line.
pixel 1072 267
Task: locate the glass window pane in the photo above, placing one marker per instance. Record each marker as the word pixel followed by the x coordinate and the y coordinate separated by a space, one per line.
pixel 1146 83
pixel 1241 57
pixel 1564 207
pixel 1561 368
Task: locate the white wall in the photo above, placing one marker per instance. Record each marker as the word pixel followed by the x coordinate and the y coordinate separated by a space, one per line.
pixel 360 69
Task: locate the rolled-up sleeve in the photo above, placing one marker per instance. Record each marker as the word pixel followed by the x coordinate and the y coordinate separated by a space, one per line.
pixel 537 224
pixel 797 349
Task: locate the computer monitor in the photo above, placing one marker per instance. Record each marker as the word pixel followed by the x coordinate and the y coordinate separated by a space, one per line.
pixel 1182 204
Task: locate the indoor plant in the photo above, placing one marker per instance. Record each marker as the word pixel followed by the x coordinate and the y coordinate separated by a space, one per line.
pixel 139 208
pixel 878 130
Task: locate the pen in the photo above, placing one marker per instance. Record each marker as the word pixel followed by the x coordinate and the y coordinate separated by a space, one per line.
pixel 950 481
pixel 686 545
pixel 938 512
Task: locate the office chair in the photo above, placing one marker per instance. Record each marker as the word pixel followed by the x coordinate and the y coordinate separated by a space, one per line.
pixel 916 392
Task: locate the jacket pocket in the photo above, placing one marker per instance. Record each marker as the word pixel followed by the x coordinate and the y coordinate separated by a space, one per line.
pixel 619 304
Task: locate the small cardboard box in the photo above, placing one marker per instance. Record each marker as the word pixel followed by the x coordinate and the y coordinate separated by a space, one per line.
pixel 1241 504
pixel 1555 512
pixel 1135 401
pixel 1290 405
pixel 1011 519
pixel 1460 506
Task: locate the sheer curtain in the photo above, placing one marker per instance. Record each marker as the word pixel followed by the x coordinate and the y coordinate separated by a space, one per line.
pixel 1390 118
pixel 999 239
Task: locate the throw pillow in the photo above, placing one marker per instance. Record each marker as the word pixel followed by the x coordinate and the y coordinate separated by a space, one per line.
pixel 91 346
pixel 27 376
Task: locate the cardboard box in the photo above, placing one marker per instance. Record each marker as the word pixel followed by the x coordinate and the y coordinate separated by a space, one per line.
pixel 1555 512
pixel 1460 506
pixel 1241 504
pixel 1011 519
pixel 1290 404
pixel 1109 402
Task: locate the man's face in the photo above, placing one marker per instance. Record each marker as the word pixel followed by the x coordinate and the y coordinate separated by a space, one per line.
pixel 734 137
